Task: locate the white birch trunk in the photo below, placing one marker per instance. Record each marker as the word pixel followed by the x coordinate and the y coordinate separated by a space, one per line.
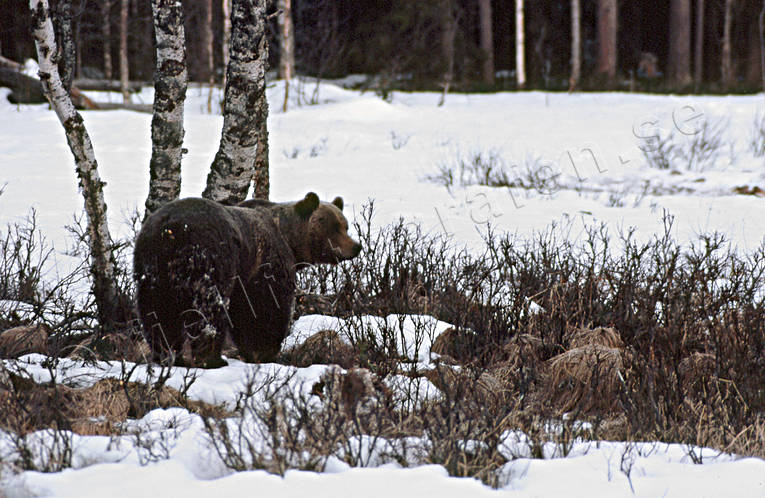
pixel 520 45
pixel 170 81
pixel 226 7
pixel 245 109
pixel 99 239
pixel 286 47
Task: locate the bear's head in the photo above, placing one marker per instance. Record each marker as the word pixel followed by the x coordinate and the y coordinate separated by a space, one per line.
pixel 326 231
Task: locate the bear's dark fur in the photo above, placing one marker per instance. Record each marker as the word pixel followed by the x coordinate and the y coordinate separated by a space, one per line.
pixel 203 270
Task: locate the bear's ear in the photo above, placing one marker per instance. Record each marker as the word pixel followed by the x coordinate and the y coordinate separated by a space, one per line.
pixel 338 202
pixel 308 205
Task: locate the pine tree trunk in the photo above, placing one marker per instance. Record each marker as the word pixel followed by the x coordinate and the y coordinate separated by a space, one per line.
pixel 754 71
pixel 698 57
pixel 607 29
pixel 207 50
pixel 576 45
pixel 448 35
pixel 680 42
pixel 762 43
pixel 124 76
pixel 170 81
pixel 520 45
pixel 106 32
pixel 65 36
pixel 487 40
pixel 245 109
pixel 99 239
pixel 286 47
pixel 726 69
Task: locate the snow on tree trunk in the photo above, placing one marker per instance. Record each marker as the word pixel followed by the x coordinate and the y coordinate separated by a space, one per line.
pixel 607 28
pixel 698 56
pixel 487 40
pixel 520 45
pixel 170 82
pixel 65 36
pixel 124 77
pixel 245 109
pixel 286 47
pixel 106 32
pixel 576 44
pixel 99 240
pixel 679 62
pixel 726 62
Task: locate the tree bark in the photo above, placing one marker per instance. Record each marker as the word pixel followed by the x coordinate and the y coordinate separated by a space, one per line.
pixel 698 57
pixel 65 36
pixel 99 239
pixel 762 43
pixel 576 45
pixel 245 109
pixel 208 73
pixel 124 76
pixel 487 40
pixel 680 42
pixel 448 35
pixel 226 7
pixel 607 32
pixel 106 33
pixel 520 45
pixel 286 47
pixel 170 80
pixel 726 69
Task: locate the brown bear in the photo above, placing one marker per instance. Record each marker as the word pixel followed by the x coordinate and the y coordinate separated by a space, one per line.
pixel 204 270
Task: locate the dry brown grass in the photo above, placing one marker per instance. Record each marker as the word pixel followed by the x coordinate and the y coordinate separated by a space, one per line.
pixel 604 336
pixel 586 379
pixel 324 347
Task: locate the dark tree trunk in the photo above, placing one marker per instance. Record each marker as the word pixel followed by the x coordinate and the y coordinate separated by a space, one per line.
pixel 754 68
pixel 65 38
pixel 698 57
pixel 607 32
pixel 106 33
pixel 487 40
pixel 245 109
pixel 208 72
pixel 99 239
pixel 170 81
pixel 679 63
pixel 726 63
pixel 762 43
pixel 124 76
pixel 448 35
pixel 576 45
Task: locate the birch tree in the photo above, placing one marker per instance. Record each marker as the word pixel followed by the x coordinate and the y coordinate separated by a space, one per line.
pixel 208 73
pixel 286 47
pixel 99 240
pixel 520 45
pixel 245 110
pixel 226 8
pixel 576 45
pixel 448 36
pixel 170 81
pixel 64 31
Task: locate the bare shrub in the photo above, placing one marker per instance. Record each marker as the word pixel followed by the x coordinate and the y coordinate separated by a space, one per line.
pixel 757 138
pixel 696 151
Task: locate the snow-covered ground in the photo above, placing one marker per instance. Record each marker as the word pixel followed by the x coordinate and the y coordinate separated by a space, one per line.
pixel 361 147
